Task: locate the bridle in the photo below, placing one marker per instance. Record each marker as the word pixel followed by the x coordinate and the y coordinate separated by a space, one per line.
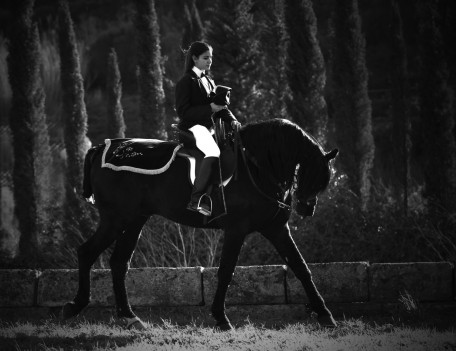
pixel 305 204
pixel 304 207
pixel 247 156
pixel 307 207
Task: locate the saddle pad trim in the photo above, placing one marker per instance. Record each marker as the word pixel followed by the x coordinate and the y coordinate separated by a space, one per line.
pixel 104 164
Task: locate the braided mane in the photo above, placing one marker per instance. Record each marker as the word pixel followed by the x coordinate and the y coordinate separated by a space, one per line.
pixel 279 145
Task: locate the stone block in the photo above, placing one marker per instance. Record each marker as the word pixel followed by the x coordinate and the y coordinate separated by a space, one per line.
pixel 165 286
pixel 145 287
pixel 251 285
pixel 423 281
pixel 17 287
pixel 58 286
pixel 336 282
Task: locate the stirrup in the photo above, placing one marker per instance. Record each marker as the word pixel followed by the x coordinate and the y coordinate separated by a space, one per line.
pixel 199 206
pixel 204 211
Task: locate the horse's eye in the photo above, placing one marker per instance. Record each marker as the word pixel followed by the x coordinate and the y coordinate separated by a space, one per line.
pixel 312 201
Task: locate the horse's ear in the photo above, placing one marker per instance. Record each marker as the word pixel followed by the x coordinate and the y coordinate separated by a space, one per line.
pixel 331 155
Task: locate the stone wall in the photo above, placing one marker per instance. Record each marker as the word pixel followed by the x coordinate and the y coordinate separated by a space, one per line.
pixel 339 283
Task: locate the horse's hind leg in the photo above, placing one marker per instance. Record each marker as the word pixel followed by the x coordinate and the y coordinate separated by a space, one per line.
pixel 286 247
pixel 120 263
pixel 108 230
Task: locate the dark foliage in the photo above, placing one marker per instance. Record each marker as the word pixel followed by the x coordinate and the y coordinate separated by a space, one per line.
pixel 400 96
pixel 341 232
pixel 237 61
pixel 29 129
pixel 272 88
pixel 305 69
pixel 437 113
pixel 75 119
pixel 193 28
pixel 350 100
pixel 150 75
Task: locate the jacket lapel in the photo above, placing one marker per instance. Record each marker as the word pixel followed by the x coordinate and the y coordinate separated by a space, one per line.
pixel 211 83
pixel 201 85
pixel 199 82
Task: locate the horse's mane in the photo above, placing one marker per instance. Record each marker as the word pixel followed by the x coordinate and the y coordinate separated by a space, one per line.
pixel 279 145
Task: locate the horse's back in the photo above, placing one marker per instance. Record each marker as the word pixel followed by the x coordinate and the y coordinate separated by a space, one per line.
pixel 123 191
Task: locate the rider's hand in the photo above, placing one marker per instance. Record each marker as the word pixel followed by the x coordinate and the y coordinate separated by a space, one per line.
pixel 236 125
pixel 217 108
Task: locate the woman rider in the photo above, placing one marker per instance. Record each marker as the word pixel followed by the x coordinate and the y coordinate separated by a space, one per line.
pixel 195 108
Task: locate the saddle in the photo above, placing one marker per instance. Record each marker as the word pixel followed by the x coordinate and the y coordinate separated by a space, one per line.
pixel 152 156
pixel 224 137
pixel 225 141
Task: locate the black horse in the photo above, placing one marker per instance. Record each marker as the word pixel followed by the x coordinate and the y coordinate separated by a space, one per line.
pixel 281 160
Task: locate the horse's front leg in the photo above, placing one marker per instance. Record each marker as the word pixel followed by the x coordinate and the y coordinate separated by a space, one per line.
pixel 230 252
pixel 283 242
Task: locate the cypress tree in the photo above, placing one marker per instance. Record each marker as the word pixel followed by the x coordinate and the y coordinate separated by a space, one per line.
pixel 436 104
pixel 75 121
pixel 74 109
pixel 150 71
pixel 305 69
pixel 448 10
pixel 29 130
pixel 193 28
pixel 187 36
pixel 351 104
pixel 400 95
pixel 272 89
pixel 116 124
pixel 279 50
pixel 234 35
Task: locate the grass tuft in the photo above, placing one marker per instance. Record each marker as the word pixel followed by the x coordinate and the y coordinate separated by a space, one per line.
pixel 350 335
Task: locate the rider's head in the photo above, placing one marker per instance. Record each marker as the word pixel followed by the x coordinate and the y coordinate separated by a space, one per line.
pixel 195 49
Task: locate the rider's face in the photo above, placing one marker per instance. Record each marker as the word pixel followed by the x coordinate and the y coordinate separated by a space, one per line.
pixel 203 61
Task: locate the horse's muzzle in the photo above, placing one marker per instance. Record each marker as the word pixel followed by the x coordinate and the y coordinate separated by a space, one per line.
pixel 306 209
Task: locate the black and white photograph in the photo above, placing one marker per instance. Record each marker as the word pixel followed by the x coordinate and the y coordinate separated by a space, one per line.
pixel 271 175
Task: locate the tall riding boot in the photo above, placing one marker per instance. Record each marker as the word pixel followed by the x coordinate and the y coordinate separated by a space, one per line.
pixel 198 200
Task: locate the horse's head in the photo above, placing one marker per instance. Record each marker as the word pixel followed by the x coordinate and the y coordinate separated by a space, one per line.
pixel 278 146
pixel 313 178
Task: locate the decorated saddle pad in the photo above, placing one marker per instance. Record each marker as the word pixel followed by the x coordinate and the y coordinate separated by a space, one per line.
pixel 145 156
pixel 152 156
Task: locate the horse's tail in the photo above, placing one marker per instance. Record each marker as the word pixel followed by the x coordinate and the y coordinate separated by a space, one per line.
pixel 86 184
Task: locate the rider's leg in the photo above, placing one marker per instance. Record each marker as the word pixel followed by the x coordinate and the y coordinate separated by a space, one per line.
pixel 206 143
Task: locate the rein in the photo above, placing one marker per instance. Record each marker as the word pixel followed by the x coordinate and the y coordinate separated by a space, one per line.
pixel 245 154
pixel 238 146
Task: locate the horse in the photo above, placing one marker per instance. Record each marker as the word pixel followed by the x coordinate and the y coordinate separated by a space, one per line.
pixel 280 160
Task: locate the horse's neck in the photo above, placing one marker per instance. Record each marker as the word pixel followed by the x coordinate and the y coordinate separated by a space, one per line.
pixel 273 153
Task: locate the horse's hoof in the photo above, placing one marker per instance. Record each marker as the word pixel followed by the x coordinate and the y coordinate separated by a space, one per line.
pixel 327 321
pixel 70 310
pixel 223 326
pixel 134 323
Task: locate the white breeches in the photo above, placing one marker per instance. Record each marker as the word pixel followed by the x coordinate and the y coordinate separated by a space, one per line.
pixel 204 141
